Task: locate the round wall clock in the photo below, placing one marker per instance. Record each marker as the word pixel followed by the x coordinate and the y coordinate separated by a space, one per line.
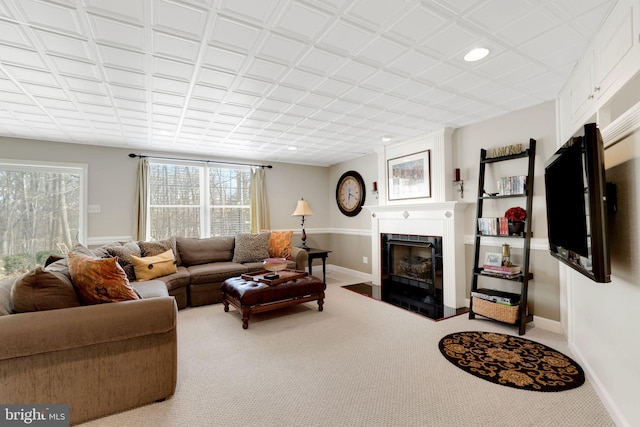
pixel 350 193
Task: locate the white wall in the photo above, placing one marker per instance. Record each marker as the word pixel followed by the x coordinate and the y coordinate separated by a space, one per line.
pixel 603 317
pixel 537 122
pixel 112 182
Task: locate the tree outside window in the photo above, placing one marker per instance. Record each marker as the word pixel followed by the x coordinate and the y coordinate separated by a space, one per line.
pixel 198 201
pixel 41 213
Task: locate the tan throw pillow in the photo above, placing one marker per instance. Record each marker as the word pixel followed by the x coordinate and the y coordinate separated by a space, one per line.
pixel 251 247
pixel 280 244
pixel 43 290
pixel 99 280
pixel 148 268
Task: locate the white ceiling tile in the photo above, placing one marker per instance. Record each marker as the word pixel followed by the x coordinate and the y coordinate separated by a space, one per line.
pixel 417 24
pixel 303 20
pixel 234 34
pixel 321 61
pixel 168 99
pixel 211 77
pixel 22 57
pixel 266 70
pixel 175 47
pixel 258 10
pixel 46 91
pixel 75 68
pixel 382 50
pixel 122 9
pixel 179 18
pixel 51 15
pixel 242 98
pixel 543 44
pixel 527 27
pixel 117 33
pixel 332 87
pixel 65 45
pixel 129 104
pixel 347 37
pixel 384 81
pixel 173 69
pixel 208 92
pixel 413 63
pixel 280 48
pixel 52 104
pixel 224 59
pixel 497 13
pixel 32 76
pixel 11 33
pixel 125 78
pixel 361 95
pixel 170 85
pixel 355 71
pixel 452 41
pixel 301 79
pixel 288 94
pixel 91 98
pixel 121 58
pixel 376 12
pixel 440 72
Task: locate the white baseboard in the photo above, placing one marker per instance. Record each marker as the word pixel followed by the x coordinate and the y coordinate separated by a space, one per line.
pixel 99 241
pixel 601 391
pixel 366 277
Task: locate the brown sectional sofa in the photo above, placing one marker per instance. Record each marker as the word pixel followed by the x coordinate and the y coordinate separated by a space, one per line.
pixel 98 359
pixel 203 264
pixel 105 358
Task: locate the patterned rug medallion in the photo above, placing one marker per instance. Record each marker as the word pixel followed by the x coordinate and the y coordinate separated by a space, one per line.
pixel 511 361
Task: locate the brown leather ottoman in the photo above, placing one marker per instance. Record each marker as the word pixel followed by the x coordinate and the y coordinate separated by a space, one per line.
pixel 255 297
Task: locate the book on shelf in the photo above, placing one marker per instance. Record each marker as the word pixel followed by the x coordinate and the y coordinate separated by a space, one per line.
pixel 499 297
pixel 512 185
pixel 502 269
pixel 488 226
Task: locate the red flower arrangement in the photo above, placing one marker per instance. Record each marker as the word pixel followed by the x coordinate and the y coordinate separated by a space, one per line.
pixel 516 214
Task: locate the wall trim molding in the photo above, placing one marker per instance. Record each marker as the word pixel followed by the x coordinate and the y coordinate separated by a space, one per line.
pixel 103 240
pixel 622 127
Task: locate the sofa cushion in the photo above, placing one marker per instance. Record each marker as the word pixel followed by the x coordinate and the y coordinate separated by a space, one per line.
pixel 124 252
pixel 194 251
pixel 150 267
pixel 150 289
pixel 251 247
pixel 280 244
pixel 5 296
pixel 215 272
pixel 179 279
pixel 99 280
pixel 42 289
pixel 156 247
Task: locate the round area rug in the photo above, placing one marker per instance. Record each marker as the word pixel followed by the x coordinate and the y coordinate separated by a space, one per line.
pixel 512 361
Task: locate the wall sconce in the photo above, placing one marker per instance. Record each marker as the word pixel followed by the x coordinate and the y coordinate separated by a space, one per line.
pixel 303 209
pixel 457 182
pixel 375 188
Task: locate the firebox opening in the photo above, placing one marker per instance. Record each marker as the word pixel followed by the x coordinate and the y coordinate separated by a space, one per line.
pixel 412 273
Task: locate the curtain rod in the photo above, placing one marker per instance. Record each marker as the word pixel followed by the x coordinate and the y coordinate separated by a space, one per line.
pixel 133 156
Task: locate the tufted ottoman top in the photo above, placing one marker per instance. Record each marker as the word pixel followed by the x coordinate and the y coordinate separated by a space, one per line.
pixel 250 293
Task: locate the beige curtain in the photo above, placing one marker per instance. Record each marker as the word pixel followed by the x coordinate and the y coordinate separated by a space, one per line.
pixel 142 201
pixel 259 202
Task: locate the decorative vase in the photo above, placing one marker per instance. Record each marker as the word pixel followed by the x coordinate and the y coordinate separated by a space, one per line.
pixel 516 228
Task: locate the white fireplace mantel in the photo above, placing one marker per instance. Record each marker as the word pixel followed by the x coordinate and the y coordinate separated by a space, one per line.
pixel 444 219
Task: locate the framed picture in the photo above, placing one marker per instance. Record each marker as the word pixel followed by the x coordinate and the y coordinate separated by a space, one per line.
pixel 493 259
pixel 410 176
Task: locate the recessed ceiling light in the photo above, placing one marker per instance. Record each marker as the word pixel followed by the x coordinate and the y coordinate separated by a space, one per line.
pixel 292 148
pixel 386 138
pixel 476 54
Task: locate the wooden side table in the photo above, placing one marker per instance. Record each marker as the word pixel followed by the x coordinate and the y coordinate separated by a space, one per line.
pixel 315 254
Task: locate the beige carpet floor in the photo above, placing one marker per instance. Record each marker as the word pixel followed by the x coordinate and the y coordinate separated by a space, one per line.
pixel 360 362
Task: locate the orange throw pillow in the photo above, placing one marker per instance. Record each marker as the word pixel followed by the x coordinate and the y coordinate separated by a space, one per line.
pixel 280 244
pixel 99 280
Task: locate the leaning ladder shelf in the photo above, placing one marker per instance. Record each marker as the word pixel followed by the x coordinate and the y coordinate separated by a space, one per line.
pixel 523 278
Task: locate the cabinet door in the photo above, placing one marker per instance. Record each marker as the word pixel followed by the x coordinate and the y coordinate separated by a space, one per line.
pixel 581 90
pixel 616 48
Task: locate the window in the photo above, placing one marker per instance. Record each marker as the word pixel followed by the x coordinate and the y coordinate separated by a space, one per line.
pixel 194 200
pixel 42 212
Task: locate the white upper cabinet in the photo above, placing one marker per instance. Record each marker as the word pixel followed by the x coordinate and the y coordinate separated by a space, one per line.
pixel 612 60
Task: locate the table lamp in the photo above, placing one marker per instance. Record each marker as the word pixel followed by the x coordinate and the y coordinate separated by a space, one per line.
pixel 303 209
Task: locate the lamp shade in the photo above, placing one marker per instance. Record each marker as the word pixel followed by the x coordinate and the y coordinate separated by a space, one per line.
pixel 302 209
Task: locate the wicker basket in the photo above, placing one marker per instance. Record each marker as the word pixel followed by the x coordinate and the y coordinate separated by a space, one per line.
pixel 501 312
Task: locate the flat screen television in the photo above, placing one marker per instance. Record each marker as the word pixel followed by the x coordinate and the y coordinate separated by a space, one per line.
pixel 577 206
